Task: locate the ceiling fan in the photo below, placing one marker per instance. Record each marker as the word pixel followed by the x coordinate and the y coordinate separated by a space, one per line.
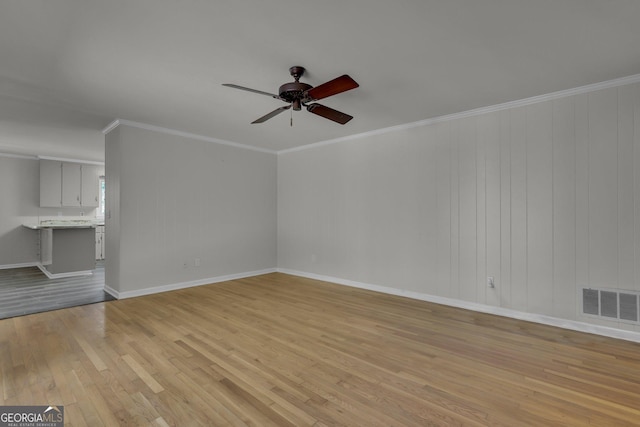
pixel 300 95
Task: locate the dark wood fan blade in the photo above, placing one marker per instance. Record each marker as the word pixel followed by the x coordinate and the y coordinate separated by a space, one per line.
pixel 329 113
pixel 333 87
pixel 251 90
pixel 271 114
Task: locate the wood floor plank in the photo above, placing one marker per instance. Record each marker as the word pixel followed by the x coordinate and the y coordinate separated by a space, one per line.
pixel 143 374
pixel 282 350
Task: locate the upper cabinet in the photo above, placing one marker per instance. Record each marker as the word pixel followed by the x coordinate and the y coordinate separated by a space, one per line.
pixel 50 183
pixel 89 188
pixel 66 184
pixel 71 184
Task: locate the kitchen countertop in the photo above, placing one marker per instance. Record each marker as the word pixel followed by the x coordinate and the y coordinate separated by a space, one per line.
pixel 61 224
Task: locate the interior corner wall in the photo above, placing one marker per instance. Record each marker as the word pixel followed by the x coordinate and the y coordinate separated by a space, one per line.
pixel 184 211
pixel 545 198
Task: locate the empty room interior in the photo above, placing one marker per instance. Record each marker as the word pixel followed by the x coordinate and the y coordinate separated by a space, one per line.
pixel 296 213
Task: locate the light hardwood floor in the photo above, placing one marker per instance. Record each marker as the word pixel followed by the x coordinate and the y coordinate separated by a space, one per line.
pixel 286 351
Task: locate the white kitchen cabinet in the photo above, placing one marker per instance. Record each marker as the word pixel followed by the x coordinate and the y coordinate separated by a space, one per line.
pixel 71 184
pixel 100 242
pixel 66 184
pixel 50 183
pixel 89 186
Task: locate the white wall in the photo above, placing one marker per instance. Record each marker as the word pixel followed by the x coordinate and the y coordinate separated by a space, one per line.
pixel 113 166
pixel 173 199
pixel 544 197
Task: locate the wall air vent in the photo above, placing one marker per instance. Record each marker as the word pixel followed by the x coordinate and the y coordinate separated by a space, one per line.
pixel 629 307
pixel 611 304
pixel 590 301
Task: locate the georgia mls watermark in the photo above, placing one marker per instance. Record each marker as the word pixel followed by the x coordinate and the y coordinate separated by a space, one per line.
pixel 32 416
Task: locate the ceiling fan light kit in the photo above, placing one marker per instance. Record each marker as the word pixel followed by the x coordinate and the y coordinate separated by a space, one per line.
pixel 299 95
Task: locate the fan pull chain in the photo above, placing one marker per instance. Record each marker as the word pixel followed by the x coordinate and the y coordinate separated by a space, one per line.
pixel 291 122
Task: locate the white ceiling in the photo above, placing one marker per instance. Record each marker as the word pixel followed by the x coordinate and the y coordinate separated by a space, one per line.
pixel 69 67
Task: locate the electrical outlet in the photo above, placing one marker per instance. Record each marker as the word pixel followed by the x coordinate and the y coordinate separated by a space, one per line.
pixel 490 282
pixel 196 262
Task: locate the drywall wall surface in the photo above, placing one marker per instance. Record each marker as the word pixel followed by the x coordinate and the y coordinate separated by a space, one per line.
pixel 113 165
pixel 186 210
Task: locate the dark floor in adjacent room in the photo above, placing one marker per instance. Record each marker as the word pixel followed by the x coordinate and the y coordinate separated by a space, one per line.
pixel 27 290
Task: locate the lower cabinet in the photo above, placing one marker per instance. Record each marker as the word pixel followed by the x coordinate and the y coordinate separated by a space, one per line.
pixel 100 242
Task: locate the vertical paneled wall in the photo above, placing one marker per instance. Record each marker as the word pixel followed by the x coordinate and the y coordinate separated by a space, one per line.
pixel 545 198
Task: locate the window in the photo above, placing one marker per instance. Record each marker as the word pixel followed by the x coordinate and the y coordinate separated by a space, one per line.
pixel 101 197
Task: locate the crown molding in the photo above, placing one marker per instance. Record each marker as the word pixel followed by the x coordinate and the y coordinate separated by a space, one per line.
pixel 59 159
pixel 63 159
pixel 426 122
pixel 476 112
pixel 111 126
pixel 18 156
pixel 119 122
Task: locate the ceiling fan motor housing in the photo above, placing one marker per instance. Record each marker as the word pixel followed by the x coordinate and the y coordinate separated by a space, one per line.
pixel 292 92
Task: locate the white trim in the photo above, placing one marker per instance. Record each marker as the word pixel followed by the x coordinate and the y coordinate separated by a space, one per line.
pixel 112 292
pixel 62 159
pixel 482 308
pixel 426 122
pixel 111 126
pixel 18 156
pixel 19 265
pixel 183 285
pixel 182 134
pixel 475 112
pixel 61 275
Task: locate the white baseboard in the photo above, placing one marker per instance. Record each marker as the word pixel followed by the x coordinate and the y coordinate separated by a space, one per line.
pixel 482 308
pixel 45 271
pixel 111 291
pixel 175 286
pixel 20 265
pixel 63 275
